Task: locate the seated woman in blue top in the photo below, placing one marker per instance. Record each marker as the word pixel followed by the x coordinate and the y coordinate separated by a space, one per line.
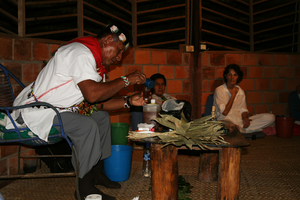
pixel 294 104
pixel 159 90
pixel 230 103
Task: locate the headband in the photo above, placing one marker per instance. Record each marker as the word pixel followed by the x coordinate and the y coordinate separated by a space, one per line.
pixel 121 36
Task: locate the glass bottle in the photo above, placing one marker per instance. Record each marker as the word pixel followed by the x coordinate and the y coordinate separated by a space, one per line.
pixel 146 161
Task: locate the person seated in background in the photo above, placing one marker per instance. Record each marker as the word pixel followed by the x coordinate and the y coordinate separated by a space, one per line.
pixel 230 103
pixel 158 92
pixel 294 104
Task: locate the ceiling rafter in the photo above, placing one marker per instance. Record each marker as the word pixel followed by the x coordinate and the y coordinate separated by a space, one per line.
pixel 106 13
pixel 224 36
pixel 160 43
pixel 50 17
pixel 273 28
pixel 225 26
pixel 230 7
pixel 160 9
pixel 274 8
pixel 48 2
pixel 275 38
pixel 9 15
pixel 221 14
pixel 160 20
pixel 159 32
pixel 273 18
pixel 51 32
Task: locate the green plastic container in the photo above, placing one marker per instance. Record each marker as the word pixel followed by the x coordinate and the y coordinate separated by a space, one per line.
pixel 119 133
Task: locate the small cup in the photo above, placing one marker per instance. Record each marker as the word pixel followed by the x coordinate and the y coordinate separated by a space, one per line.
pixel 93 197
pixel 146 94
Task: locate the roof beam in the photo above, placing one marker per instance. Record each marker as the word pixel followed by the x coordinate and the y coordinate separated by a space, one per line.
pixel 106 13
pixel 218 13
pixel 258 2
pixel 9 15
pixel 273 28
pixel 51 32
pixel 119 7
pixel 48 2
pixel 160 9
pixel 95 21
pixel 275 38
pixel 50 17
pixel 220 45
pixel 270 19
pixel 278 47
pixel 225 26
pixel 224 36
pixel 14 2
pixel 158 32
pixel 273 8
pixel 243 2
pixel 161 20
pixel 230 7
pixel 159 43
pixel 7 31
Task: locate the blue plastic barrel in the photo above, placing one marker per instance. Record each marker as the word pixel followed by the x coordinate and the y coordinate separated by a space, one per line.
pixel 118 166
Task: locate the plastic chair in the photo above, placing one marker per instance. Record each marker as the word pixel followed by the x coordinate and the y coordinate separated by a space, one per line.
pixel 24 135
pixel 209 104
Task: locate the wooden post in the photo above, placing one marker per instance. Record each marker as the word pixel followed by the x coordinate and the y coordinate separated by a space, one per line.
pixel 196 82
pixel 164 172
pixel 251 25
pixel 80 26
pixel 229 173
pixel 187 21
pixel 134 22
pixel 298 46
pixel 21 18
pixel 208 166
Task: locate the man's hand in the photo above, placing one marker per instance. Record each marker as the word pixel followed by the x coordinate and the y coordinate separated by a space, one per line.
pixel 137 99
pixel 246 122
pixel 136 77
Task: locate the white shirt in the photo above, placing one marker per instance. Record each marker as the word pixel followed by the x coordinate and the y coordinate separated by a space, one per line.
pixel 221 98
pixel 57 84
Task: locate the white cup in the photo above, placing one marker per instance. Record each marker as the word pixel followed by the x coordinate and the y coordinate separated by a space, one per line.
pixel 94 197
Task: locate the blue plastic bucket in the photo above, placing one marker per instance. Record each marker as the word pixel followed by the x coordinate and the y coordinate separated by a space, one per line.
pixel 118 166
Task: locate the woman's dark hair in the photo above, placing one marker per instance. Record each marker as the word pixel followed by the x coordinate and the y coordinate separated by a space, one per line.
pixel 158 75
pixel 237 69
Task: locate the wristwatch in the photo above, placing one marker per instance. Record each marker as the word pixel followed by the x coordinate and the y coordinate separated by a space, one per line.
pixel 127 102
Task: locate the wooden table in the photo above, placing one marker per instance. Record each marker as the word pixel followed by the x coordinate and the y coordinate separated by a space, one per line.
pixel 164 167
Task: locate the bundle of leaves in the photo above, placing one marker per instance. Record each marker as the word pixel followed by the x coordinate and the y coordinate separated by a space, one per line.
pixel 201 131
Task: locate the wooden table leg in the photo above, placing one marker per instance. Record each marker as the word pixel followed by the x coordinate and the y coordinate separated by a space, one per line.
pixel 229 173
pixel 164 172
pixel 208 166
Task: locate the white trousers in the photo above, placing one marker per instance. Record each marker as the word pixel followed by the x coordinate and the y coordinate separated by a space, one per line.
pixel 258 122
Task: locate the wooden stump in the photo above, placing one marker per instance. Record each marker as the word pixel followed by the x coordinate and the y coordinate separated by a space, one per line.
pixel 208 166
pixel 229 173
pixel 164 172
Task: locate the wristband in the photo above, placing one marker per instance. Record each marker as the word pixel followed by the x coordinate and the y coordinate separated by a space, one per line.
pixel 125 79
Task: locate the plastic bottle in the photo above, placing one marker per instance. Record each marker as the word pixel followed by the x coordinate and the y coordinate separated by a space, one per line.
pixel 146 161
pixel 151 111
pixel 213 113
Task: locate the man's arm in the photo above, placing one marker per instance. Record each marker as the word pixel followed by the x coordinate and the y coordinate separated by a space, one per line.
pixel 97 91
pixel 114 104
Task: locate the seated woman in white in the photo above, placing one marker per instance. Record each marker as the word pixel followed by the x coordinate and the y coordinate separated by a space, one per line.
pixel 230 103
